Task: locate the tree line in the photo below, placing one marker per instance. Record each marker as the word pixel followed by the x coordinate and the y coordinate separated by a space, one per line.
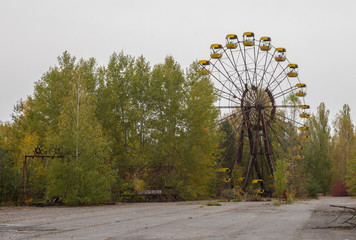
pixel 127 126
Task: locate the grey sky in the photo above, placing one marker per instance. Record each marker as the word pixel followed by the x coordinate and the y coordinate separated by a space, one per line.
pixel 320 36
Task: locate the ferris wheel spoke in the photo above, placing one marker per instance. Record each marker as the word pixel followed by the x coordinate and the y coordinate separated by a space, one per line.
pixel 285 92
pixel 229 96
pixel 233 132
pixel 229 99
pixel 278 137
pixel 232 60
pixel 273 79
pixel 278 82
pixel 283 129
pixel 243 55
pixel 222 84
pixel 255 61
pixel 226 118
pixel 264 70
pixel 230 78
pixel 290 119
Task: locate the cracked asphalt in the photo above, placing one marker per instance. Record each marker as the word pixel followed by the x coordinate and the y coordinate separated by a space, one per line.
pixel 181 220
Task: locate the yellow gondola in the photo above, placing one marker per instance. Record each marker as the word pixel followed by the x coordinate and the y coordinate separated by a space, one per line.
pixel 297 148
pixel 227 180
pixel 304 137
pixel 292 70
pixel 303 128
pixel 259 190
pixel 298 157
pixel 216 51
pixel 280 55
pixel 301 94
pixel 222 170
pixel 304 106
pixel 249 39
pixel 254 181
pixel 304 115
pixel 301 85
pixel 204 62
pixel 265 43
pixel 204 72
pixel 231 41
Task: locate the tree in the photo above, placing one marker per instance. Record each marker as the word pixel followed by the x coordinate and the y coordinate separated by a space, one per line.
pixel 86 177
pixel 280 179
pixel 317 162
pixel 342 143
pixel 197 178
pixel 351 174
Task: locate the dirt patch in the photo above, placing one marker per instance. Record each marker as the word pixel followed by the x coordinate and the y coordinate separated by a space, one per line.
pixel 328 222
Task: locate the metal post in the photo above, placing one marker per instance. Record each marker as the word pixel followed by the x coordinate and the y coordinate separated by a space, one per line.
pixel 253 152
pixel 266 143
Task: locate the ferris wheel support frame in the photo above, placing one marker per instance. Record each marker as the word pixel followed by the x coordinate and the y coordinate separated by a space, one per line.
pixel 251 86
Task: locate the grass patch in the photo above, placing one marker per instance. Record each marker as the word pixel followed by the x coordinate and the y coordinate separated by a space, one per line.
pixel 279 203
pixel 223 200
pixel 213 204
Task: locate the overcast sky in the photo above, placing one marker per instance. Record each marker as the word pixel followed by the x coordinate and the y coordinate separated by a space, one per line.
pixel 320 36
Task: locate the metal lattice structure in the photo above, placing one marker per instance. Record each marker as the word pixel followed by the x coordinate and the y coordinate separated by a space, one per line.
pixel 254 82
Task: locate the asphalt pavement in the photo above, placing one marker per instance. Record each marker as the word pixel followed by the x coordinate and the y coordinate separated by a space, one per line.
pixel 313 219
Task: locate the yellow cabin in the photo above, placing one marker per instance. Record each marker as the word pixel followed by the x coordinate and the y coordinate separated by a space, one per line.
pixel 254 181
pixel 259 190
pixel 216 51
pixel 231 41
pixel 301 85
pixel 227 180
pixel 204 72
pixel 241 179
pixel 204 62
pixel 304 137
pixel 297 148
pixel 222 170
pixel 304 106
pixel 303 128
pixel 304 115
pixel 292 70
pixel 265 43
pixel 248 39
pixel 301 94
pixel 298 157
pixel 280 55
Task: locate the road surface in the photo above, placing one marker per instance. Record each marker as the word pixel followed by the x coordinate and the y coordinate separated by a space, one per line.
pixel 180 220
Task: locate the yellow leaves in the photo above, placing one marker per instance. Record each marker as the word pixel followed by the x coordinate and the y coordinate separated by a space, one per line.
pixel 138 184
pixel 28 143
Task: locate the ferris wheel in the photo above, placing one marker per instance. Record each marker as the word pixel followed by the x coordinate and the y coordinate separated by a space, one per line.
pixel 260 96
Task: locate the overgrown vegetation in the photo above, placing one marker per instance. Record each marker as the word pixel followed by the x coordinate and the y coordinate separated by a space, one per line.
pixel 127 127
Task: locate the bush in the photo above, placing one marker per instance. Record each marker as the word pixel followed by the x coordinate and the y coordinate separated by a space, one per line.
pixel 78 183
pixel 339 189
pixel 312 187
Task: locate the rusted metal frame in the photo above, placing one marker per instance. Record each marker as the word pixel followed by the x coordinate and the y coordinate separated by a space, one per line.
pixel 25 179
pixel 26 175
pixel 240 145
pixel 256 165
pixel 253 152
pixel 266 143
pixel 239 152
